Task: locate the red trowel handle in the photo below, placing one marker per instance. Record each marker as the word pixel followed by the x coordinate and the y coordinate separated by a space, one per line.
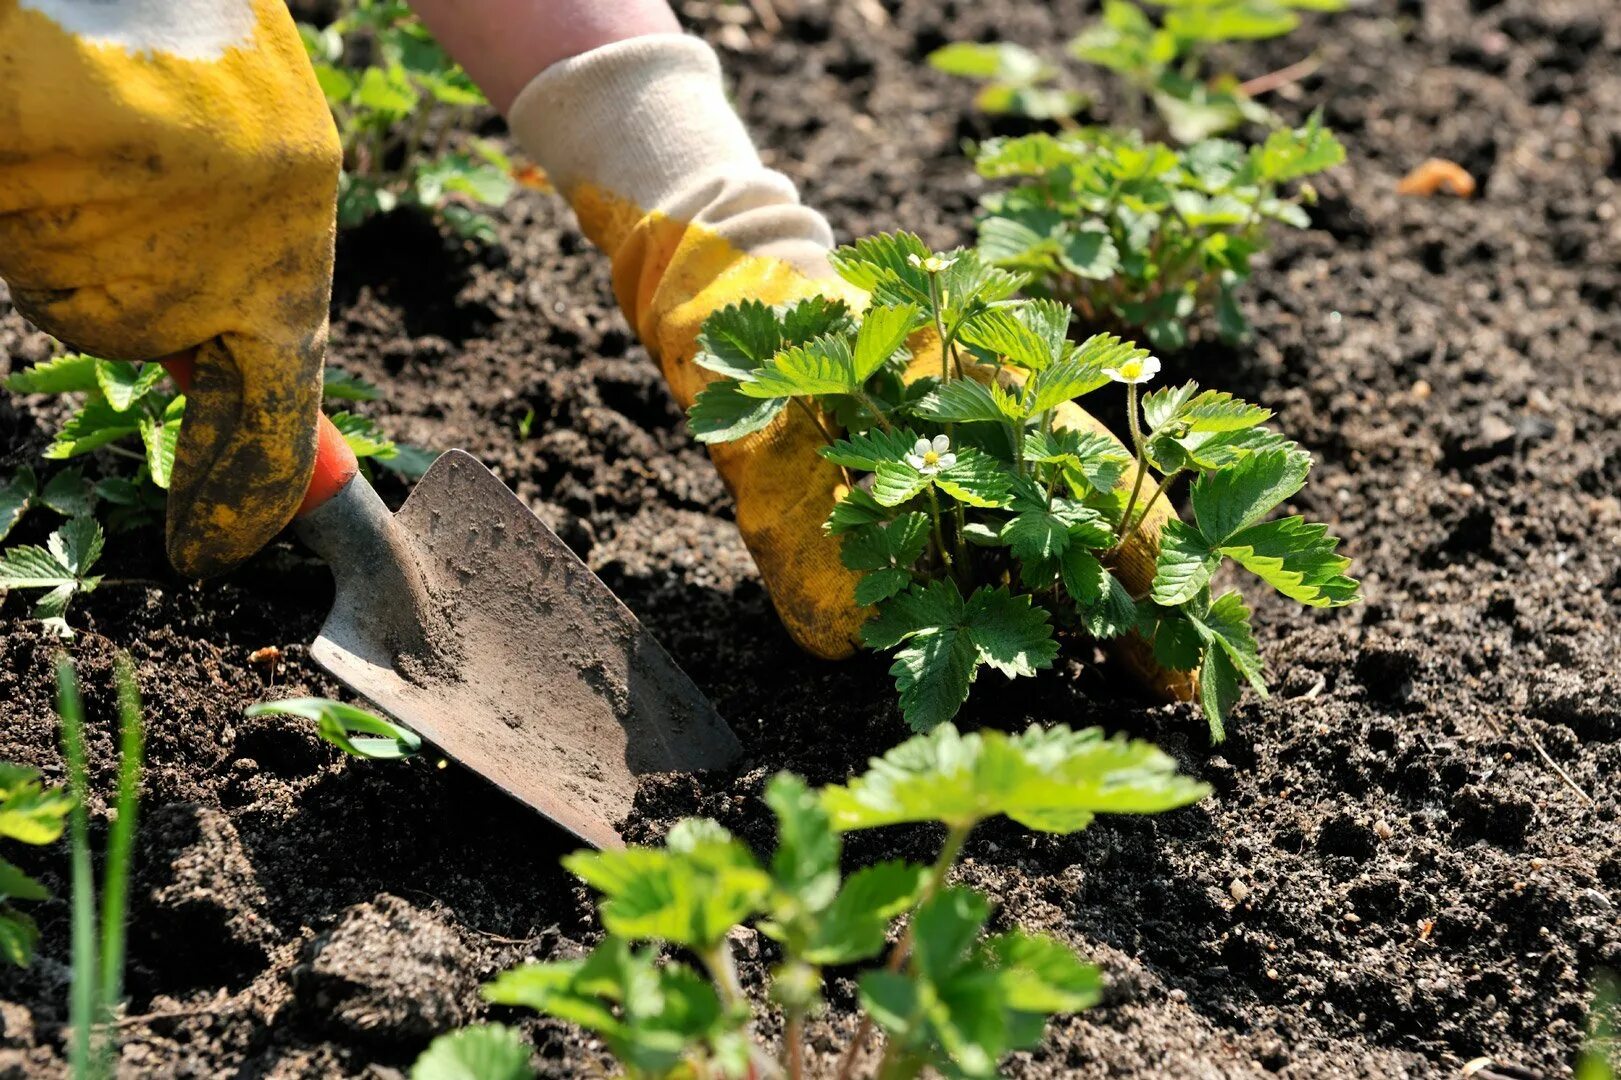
pixel 335 463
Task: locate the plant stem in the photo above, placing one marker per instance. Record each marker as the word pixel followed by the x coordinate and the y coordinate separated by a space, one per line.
pixel 1165 482
pixel 903 947
pixel 1142 459
pixel 795 1038
pixel 939 534
pixel 821 425
pixel 872 407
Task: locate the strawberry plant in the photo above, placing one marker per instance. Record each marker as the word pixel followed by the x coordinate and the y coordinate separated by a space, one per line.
pixel 984 516
pixel 404 113
pixel 949 997
pixel 30 813
pixel 1163 62
pixel 1136 234
pixel 353 730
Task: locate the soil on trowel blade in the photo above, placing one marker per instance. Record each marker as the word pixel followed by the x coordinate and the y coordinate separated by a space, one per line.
pixel 1391 879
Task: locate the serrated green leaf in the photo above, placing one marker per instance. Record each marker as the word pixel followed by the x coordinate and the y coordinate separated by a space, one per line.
pixel 160 440
pixel 1033 336
pixel 1011 632
pixel 1048 779
pixel 977 479
pixel 806 862
pixel 1239 496
pixel 340 385
pixel 879 585
pixel 856 509
pixel 19 936
pixel 822 366
pixel 15 495
pixel 1177 645
pixel 690 892
pixel 865 449
pixel 1288 155
pixel 1096 459
pixel 1083 372
pixel 68 373
pixel 721 413
pixel 94 425
pixel 30 812
pixel 933 672
pixel 737 339
pixel 1003 61
pixel 68 493
pixel 1226 625
pixel 16 885
pixel 884 329
pixel 339 722
pixel 967 401
pixel 881 264
pixel 853 927
pixel 363 435
pixel 1043 975
pixel 895 482
pixel 480 1052
pixel 1296 558
pixel 124 384
pixel 1184 566
pixel 1089 252
pixel 1102 600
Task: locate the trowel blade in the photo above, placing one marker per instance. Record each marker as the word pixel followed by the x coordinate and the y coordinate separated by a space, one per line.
pixel 467 620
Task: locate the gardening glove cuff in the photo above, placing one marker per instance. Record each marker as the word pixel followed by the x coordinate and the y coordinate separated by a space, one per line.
pixel 640 138
pixel 167 183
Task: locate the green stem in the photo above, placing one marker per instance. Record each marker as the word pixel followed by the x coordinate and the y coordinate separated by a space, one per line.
pixel 1142 458
pixel 903 948
pixel 877 413
pixel 815 416
pixel 1165 482
pixel 939 533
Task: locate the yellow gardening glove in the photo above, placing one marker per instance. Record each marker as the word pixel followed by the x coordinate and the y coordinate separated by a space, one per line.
pixel 641 140
pixel 168 175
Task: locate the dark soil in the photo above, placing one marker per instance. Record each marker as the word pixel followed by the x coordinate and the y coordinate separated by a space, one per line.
pixel 1420 887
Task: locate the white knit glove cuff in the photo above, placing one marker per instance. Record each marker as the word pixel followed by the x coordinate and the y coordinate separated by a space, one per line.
pixel 647 120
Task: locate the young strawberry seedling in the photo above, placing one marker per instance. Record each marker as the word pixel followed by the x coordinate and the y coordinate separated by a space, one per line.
pixel 985 511
pixel 404 113
pixel 949 997
pixel 30 813
pixel 1161 62
pixel 1135 234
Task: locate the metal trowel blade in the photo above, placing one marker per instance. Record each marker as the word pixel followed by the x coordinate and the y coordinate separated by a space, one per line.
pixel 467 620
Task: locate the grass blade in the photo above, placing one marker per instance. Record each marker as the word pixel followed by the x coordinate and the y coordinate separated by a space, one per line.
pixel 121 838
pixel 82 1003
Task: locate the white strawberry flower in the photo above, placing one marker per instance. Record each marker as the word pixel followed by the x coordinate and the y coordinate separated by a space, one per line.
pixel 1135 370
pixel 933 264
pixel 930 458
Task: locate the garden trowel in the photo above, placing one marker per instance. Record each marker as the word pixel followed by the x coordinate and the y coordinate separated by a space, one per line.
pixel 468 621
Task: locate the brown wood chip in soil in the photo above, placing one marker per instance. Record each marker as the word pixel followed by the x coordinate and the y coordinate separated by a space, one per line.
pixel 296 914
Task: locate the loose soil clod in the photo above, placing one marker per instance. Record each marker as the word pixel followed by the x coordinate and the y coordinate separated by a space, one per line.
pixel 1394 338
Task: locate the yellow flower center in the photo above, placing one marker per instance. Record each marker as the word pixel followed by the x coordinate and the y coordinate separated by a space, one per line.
pixel 930 458
pixel 1132 369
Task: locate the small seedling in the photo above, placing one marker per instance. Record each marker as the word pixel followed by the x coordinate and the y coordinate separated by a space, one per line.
pixel 30 813
pixel 339 724
pixel 950 997
pixel 404 113
pixel 1135 234
pixel 130 417
pixel 983 519
pixel 61 567
pixel 1015 79
pixel 1162 62
pixel 481 1052
pixel 98 943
